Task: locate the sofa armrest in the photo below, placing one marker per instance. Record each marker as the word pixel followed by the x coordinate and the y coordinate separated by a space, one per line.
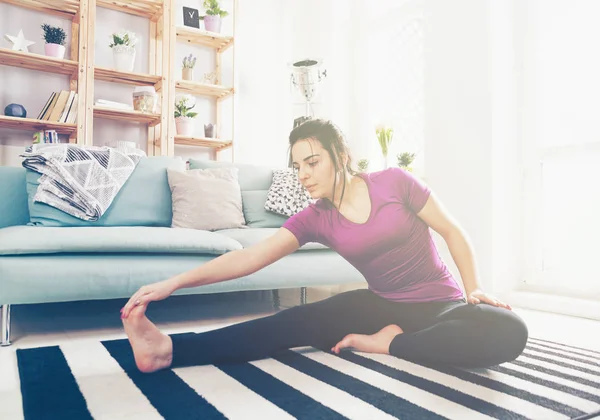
pixel 14 209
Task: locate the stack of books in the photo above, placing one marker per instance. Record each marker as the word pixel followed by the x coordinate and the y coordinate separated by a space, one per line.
pixel 46 136
pixel 60 107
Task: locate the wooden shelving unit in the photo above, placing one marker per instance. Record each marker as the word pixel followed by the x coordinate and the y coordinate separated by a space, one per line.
pixel 163 71
pixel 151 9
pixel 126 115
pixel 136 79
pixel 202 142
pixel 207 39
pixel 63 8
pixel 158 12
pixel 74 68
pixel 37 62
pixel 218 43
pixel 30 124
pixel 203 89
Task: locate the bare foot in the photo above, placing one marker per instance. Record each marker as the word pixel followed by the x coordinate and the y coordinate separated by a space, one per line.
pixel 152 349
pixel 375 343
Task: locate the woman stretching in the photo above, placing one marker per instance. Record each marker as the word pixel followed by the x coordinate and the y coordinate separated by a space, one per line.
pixel 379 222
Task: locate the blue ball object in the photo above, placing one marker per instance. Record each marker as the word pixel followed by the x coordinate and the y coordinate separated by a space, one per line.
pixel 15 110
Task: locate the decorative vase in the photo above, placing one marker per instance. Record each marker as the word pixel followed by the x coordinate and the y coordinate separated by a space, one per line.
pixel 55 50
pixel 124 57
pixel 15 110
pixel 212 23
pixel 184 126
pixel 188 73
pixel 209 130
pixel 384 161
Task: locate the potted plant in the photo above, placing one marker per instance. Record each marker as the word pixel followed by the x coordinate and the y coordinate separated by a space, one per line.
pixel 123 45
pixel 212 19
pixel 184 119
pixel 384 136
pixel 363 165
pixel 188 67
pixel 55 41
pixel 405 160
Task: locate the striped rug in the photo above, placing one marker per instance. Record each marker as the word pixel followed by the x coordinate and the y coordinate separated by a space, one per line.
pixel 98 380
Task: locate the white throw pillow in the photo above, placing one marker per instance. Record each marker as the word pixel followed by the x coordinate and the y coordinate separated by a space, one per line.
pixel 287 196
pixel 206 199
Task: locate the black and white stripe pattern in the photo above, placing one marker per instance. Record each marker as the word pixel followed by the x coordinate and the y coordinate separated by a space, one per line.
pixel 99 380
pixel 82 181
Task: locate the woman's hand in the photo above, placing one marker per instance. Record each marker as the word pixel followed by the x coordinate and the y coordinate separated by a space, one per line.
pixel 478 296
pixel 149 293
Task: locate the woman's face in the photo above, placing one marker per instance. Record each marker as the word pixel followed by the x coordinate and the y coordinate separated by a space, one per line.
pixel 316 170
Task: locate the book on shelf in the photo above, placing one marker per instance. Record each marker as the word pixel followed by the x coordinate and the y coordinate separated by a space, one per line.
pixel 60 107
pixel 45 136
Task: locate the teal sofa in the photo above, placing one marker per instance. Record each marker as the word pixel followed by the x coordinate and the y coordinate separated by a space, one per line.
pixel 49 256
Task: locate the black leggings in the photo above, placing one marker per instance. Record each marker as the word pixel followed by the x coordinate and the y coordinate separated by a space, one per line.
pixel 447 333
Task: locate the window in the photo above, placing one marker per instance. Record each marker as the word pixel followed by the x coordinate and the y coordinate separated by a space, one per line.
pixel 561 138
pixel 395 71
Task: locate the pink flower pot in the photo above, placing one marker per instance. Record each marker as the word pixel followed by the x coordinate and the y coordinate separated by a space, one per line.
pixel 212 23
pixel 55 50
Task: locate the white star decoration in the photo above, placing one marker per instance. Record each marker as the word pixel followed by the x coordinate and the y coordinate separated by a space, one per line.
pixel 19 42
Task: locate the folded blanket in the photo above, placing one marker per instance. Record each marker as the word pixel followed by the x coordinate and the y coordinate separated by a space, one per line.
pixel 80 180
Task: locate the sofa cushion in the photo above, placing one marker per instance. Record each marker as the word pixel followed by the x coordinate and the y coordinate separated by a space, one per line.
pixel 206 199
pixel 253 204
pixel 255 182
pixel 249 237
pixel 13 197
pixel 287 196
pixel 144 200
pixel 20 240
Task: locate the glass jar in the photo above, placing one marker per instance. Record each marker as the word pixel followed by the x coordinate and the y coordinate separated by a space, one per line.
pixel 144 99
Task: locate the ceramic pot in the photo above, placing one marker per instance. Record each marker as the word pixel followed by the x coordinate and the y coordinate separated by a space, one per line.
pixel 187 73
pixel 55 50
pixel 124 58
pixel 212 23
pixel 184 126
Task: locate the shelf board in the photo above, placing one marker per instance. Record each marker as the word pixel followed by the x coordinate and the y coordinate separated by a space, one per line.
pixel 137 79
pixel 30 124
pixel 203 89
pixel 126 115
pixel 37 62
pixel 208 39
pixel 146 8
pixel 202 142
pixel 63 8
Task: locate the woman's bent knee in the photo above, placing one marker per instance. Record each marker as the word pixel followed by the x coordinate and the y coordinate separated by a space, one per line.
pixel 509 335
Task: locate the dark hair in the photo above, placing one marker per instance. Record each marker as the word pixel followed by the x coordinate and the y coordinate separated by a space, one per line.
pixel 331 138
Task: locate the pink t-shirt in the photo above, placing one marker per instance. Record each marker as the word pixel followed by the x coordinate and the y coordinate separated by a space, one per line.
pixel 393 249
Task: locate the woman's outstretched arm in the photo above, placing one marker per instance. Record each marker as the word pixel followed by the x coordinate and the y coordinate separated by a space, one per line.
pixel 228 266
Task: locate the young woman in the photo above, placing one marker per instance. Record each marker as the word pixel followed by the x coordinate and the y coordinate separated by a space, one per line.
pixel 413 309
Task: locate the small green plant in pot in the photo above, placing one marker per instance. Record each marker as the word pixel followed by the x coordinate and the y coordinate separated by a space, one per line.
pixel 184 119
pixel 123 45
pixel 405 160
pixel 189 61
pixel 214 14
pixel 55 41
pixel 363 165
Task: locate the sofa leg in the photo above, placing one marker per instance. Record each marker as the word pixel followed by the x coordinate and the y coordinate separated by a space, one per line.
pixel 276 301
pixel 303 296
pixel 5 325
